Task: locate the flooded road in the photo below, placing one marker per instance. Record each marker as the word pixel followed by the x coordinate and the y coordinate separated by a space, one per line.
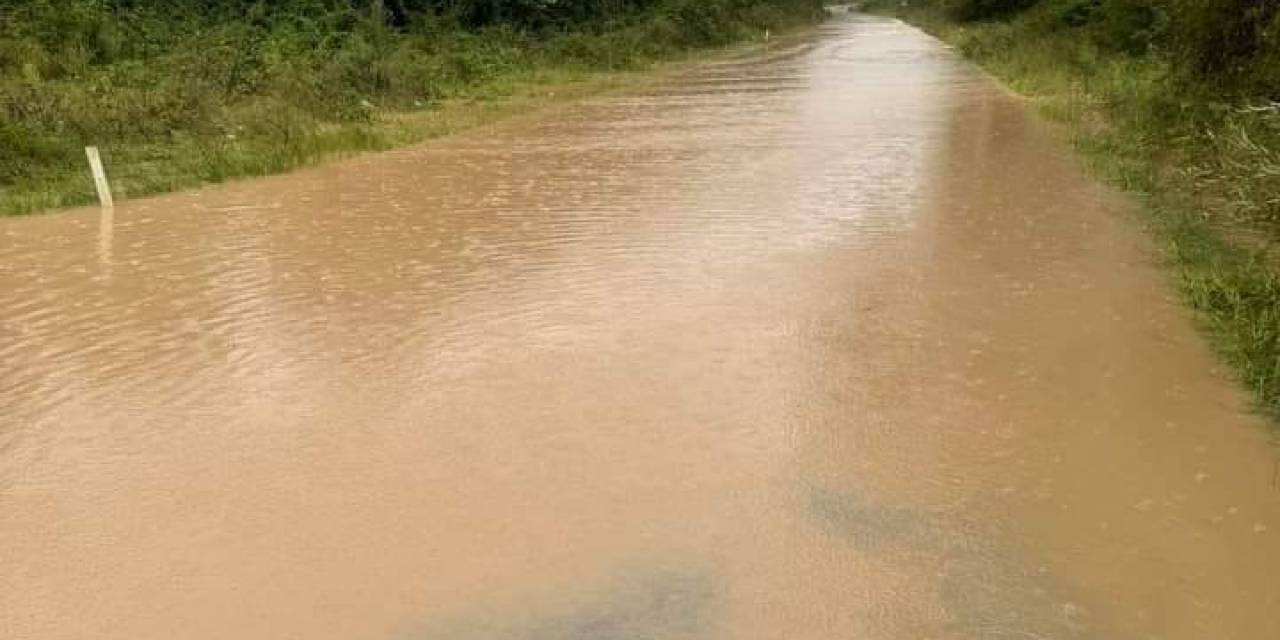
pixel 833 341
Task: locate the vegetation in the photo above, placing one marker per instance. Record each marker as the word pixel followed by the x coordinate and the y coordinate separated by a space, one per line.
pixel 1175 101
pixel 178 92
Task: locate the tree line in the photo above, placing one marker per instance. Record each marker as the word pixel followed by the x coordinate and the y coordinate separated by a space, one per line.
pixel 1234 45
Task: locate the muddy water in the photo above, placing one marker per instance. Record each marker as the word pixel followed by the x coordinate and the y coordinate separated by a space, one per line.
pixel 828 342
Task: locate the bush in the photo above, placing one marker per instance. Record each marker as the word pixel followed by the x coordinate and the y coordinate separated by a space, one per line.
pixel 1232 43
pixel 974 10
pixel 223 80
pixel 1231 46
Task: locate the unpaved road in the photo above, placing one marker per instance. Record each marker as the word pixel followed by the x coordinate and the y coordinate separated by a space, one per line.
pixel 833 342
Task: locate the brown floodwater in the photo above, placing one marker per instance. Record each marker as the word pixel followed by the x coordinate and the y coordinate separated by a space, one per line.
pixel 829 341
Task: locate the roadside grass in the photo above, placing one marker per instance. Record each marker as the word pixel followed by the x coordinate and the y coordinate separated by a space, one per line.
pixel 139 168
pixel 176 99
pixel 1206 170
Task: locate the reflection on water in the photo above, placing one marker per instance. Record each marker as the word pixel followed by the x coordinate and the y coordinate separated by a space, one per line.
pixel 106 235
pixel 830 341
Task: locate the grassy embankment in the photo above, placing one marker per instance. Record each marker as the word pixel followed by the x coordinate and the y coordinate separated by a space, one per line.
pixel 1173 101
pixel 183 92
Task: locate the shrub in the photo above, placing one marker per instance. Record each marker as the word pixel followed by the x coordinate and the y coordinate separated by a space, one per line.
pixel 1233 43
pixel 245 86
pixel 974 10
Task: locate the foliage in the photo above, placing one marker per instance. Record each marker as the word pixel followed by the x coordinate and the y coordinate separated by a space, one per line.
pixel 215 81
pixel 1233 45
pixel 974 10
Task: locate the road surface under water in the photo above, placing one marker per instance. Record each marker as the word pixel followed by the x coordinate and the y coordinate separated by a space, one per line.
pixel 833 341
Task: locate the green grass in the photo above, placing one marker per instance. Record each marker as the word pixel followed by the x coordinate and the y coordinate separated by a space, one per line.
pixel 176 96
pixel 280 140
pixel 1206 168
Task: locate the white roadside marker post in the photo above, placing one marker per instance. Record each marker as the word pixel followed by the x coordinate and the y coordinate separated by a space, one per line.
pixel 99 177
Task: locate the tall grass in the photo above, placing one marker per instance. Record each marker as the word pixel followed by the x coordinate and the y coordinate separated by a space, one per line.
pixel 180 92
pixel 1200 150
